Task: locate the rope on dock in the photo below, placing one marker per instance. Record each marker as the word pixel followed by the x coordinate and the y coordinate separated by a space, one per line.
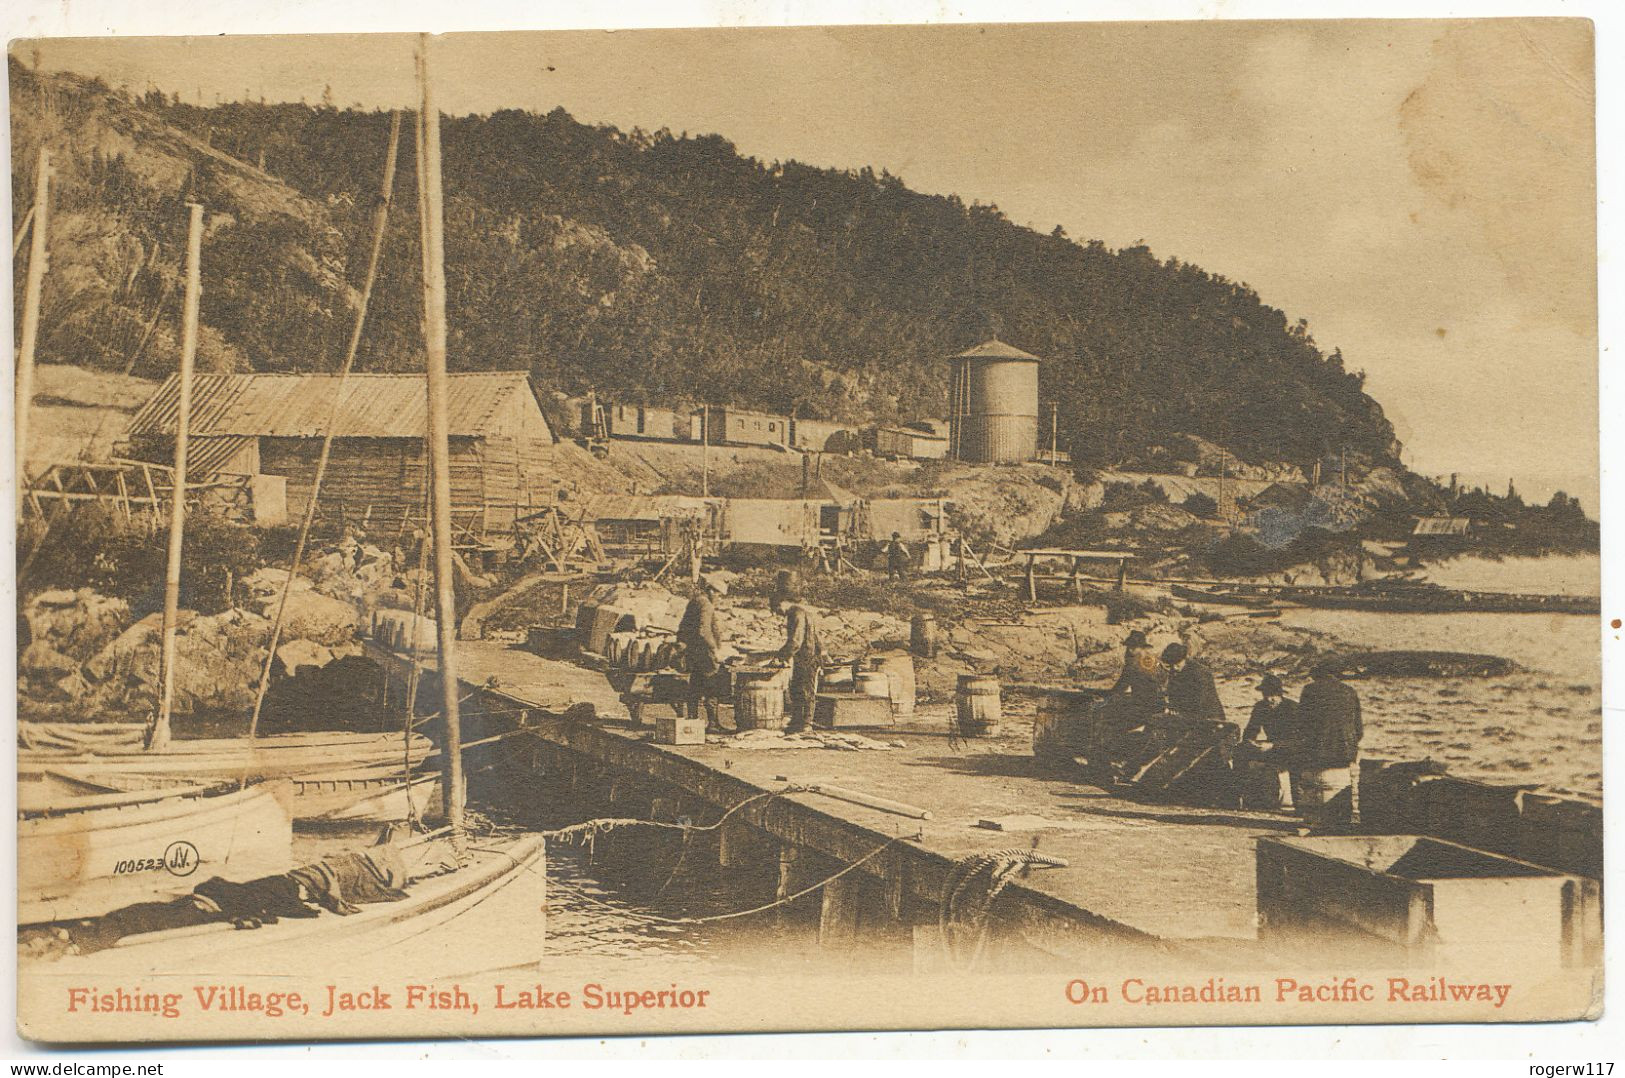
pixel 587 831
pixel 963 914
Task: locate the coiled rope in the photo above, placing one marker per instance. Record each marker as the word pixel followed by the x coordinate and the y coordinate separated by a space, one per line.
pixel 973 885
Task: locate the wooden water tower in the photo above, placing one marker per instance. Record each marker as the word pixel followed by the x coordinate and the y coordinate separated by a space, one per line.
pixel 993 404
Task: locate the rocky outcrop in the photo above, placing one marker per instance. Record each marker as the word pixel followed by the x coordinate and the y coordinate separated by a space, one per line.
pixel 76 624
pixel 218 661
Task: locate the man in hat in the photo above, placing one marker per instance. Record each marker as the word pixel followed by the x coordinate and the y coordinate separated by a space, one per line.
pixel 1269 739
pixel 1330 730
pixel 701 641
pixel 803 649
pixel 1191 691
pixel 897 558
pixel 1139 686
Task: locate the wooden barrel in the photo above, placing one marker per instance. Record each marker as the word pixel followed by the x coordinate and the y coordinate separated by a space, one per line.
pixel 977 704
pixel 759 704
pixel 923 635
pixel 872 683
pixel 899 671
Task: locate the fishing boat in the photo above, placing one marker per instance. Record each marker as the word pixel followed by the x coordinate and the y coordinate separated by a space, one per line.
pixel 240 758
pixel 1415 597
pixel 359 778
pixel 435 921
pixel 1223 598
pixel 85 853
pixel 435 925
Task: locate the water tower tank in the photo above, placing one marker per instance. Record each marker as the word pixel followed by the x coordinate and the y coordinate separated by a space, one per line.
pixel 995 404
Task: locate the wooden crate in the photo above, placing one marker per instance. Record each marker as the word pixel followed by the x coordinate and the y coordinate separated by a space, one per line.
pixel 679 730
pixel 843 710
pixel 1410 899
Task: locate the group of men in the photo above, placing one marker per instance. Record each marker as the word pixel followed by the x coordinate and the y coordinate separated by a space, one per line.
pixel 803 650
pixel 1310 744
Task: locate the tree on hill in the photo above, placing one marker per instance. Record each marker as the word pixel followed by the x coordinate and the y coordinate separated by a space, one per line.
pixel 656 266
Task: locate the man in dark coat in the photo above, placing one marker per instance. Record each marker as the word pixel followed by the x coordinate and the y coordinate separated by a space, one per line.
pixel 1267 745
pixel 897 558
pixel 803 649
pixel 1330 731
pixel 698 634
pixel 1191 691
pixel 1138 689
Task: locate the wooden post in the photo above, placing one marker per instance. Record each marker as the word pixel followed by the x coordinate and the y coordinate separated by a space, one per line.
pixel 37 265
pixel 434 333
pixel 838 915
pixel 705 450
pixel 1032 580
pixel 158 733
pixel 1077 582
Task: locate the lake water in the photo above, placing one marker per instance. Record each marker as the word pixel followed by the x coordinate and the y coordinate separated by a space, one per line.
pixel 1541 725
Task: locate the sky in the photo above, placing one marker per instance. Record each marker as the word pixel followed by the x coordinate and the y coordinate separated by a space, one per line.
pixel 1421 192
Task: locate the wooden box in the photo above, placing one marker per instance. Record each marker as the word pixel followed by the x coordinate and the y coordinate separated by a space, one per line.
pixel 679 730
pixel 841 710
pixel 1409 899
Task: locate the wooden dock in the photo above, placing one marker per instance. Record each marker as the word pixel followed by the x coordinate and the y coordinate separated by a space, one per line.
pixel 1165 883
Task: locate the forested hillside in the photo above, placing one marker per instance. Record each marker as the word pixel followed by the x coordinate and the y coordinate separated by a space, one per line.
pixel 649 266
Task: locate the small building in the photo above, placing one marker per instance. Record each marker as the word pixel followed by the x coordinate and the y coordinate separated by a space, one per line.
pixel 820 435
pixel 643 421
pixel 501 444
pixel 906 443
pixel 738 426
pixel 994 404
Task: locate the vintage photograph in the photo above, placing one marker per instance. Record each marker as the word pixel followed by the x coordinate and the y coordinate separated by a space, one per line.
pixel 826 528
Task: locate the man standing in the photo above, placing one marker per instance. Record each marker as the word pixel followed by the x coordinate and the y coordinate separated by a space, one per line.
pixel 1191 691
pixel 1270 738
pixel 897 558
pixel 1328 745
pixel 698 634
pixel 803 649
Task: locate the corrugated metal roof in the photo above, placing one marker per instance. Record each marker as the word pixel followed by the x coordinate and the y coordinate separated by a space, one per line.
pixel 301 405
pixel 212 454
pixel 996 349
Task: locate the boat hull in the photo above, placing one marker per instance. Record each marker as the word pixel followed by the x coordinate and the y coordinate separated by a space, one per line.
pixel 436 924
pixel 94 853
pixel 222 759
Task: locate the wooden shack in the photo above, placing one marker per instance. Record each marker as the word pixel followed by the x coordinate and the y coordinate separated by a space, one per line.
pixel 501 445
pixel 737 426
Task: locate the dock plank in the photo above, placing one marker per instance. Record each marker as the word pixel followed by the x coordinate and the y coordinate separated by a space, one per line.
pixel 1173 872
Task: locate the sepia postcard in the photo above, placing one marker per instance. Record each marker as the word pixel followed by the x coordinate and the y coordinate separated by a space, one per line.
pixel 826 528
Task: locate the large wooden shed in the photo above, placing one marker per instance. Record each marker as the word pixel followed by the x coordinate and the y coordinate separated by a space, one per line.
pixel 501 445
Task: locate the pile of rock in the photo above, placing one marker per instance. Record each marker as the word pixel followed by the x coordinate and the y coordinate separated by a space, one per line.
pixel 217 665
pixel 64 629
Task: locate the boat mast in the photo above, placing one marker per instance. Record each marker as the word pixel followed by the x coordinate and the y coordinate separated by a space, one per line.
pixel 37 259
pixel 434 335
pixel 158 734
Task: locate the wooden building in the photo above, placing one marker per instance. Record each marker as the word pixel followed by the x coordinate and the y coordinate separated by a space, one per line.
pixel 906 443
pixel 737 426
pixel 821 435
pixel 501 445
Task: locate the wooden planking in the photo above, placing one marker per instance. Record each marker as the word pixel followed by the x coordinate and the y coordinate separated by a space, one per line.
pixel 386 474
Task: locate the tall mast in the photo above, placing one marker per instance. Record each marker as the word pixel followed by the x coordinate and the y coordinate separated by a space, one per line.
pixel 158 734
pixel 37 257
pixel 434 335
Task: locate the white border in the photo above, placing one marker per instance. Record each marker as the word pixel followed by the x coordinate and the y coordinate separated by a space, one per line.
pixel 1516 1045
